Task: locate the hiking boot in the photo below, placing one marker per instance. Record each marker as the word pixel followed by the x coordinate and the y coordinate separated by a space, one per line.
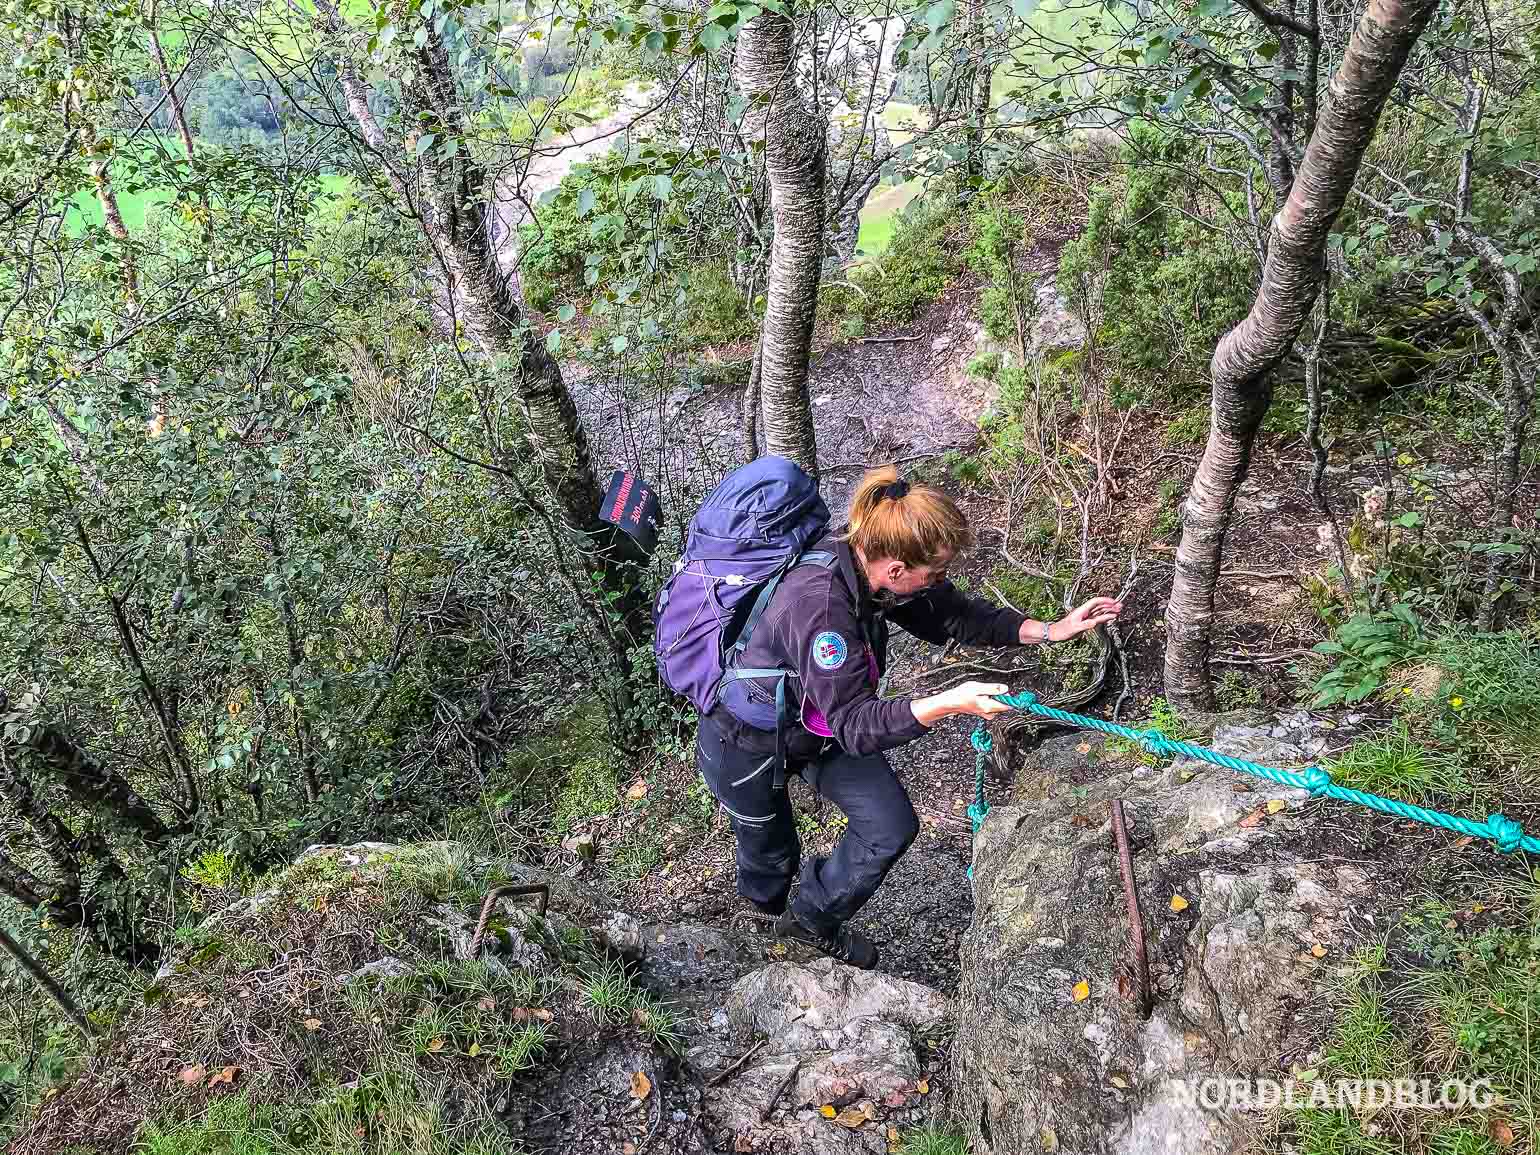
pixel 845 945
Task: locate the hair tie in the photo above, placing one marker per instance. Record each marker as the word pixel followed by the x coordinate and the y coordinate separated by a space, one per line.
pixel 893 489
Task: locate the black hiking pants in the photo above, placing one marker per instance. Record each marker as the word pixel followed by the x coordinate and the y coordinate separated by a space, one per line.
pixel 881 826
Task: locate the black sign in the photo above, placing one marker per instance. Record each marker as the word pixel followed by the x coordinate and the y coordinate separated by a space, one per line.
pixel 633 505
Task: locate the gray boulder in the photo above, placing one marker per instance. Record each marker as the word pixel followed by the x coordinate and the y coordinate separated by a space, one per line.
pixel 1041 1063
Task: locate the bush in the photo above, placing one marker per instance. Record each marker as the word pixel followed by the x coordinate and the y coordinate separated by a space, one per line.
pixel 1169 285
pixel 909 274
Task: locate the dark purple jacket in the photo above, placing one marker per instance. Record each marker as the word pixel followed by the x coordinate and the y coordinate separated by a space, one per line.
pixel 821 622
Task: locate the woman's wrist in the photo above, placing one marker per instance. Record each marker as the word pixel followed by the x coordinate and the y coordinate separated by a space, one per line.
pixel 1035 633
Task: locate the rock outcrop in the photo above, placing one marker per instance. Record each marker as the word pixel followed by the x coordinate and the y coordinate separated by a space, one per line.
pixel 1244 918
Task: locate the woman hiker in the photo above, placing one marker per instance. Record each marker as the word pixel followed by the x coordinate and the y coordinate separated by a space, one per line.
pixel 829 623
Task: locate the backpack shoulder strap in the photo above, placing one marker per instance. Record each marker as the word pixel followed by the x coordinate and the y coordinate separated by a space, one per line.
pixel 818 557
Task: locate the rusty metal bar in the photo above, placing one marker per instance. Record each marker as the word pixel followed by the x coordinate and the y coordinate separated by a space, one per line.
pixel 540 890
pixel 1135 919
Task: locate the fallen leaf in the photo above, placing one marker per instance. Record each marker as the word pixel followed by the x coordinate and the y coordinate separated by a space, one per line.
pixel 1275 804
pixel 435 1046
pixel 1083 748
pixel 1120 1083
pixel 641 1085
pixel 1125 986
pixel 853 1117
pixel 892 1136
pixel 1178 903
pixel 628 1148
pixel 1186 775
pixel 638 789
pixel 827 1111
pixel 226 1076
pixel 1082 991
pixel 1078 820
pixel 486 1003
pixel 1049 1138
pixel 191 1075
pixel 1464 840
pixel 923 1087
pixel 744 1142
pixel 1318 950
pixel 543 1015
pixel 1308 1076
pixel 475 1049
pixel 1241 787
pixel 312 1024
pixel 1252 819
pixel 1501 1133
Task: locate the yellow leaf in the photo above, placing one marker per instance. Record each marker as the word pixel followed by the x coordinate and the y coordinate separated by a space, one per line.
pixel 641 1085
pixel 1275 804
pixel 192 1075
pixel 1178 902
pixel 827 1111
pixel 227 1076
pixel 435 1046
pixel 1049 1139
pixel 1082 991
pixel 1120 1083
pixel 854 1117
pixel 924 1087
pixel 475 1050
pixel 312 1024
pixel 638 789
pixel 1318 950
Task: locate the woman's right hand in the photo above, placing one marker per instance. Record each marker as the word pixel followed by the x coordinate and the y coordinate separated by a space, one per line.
pixel 976 698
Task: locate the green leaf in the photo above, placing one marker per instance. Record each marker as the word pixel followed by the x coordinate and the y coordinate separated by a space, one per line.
pixel 663 187
pixel 619 343
pixel 654 43
pixel 553 342
pixel 425 142
pixel 585 204
pixel 939 14
pixel 1023 9
pixel 1411 519
pixel 1268 51
pixel 1436 284
pixel 566 313
pixel 724 11
pixel 712 37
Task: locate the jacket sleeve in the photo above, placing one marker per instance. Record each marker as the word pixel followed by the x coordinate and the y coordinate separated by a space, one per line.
pixel 946 612
pixel 824 641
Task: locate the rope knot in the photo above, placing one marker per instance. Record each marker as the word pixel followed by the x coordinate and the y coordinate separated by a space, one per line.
pixel 1316 780
pixel 981 740
pixel 1508 834
pixel 1153 741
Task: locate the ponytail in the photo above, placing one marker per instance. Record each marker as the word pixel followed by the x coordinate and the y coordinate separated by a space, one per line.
pixel 915 524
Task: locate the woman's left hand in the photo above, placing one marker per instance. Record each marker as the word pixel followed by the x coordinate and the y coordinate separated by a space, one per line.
pixel 1096 612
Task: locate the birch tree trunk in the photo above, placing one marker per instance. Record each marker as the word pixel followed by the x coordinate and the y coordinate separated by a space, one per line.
pixel 794 138
pixel 452 202
pixel 1244 360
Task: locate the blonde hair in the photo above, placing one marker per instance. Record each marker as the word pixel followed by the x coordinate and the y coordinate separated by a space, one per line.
pixel 919 526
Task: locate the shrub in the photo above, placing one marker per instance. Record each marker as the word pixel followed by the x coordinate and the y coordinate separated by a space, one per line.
pixel 909 274
pixel 1170 285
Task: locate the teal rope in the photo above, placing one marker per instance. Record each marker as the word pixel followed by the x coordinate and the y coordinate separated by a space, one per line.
pixel 1507 834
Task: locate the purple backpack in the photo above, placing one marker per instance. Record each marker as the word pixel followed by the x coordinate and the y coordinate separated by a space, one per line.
pixel 754 527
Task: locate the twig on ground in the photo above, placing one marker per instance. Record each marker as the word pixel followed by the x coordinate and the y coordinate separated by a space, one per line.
pixel 715 1079
pixel 890 340
pixel 1256 659
pixel 780 1089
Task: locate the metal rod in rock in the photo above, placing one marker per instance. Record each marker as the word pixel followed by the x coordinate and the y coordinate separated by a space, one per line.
pixel 540 890
pixel 1135 919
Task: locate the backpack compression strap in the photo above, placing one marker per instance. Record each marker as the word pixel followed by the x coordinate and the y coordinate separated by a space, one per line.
pixel 821 557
